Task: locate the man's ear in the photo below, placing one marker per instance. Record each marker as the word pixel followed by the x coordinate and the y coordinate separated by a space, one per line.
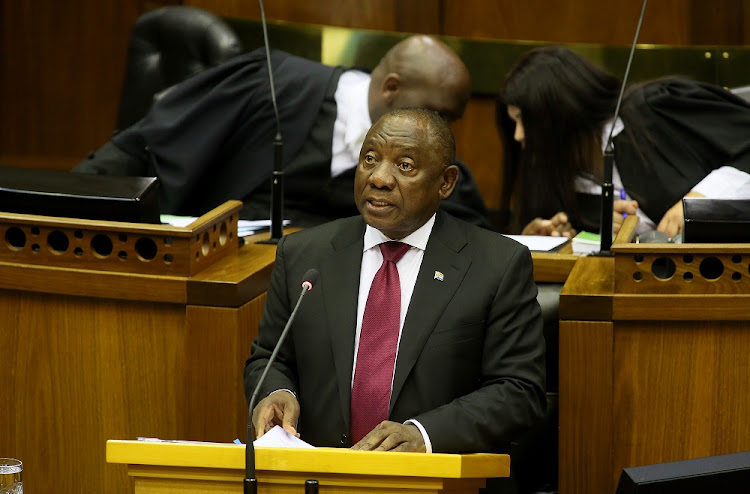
pixel 450 179
pixel 391 85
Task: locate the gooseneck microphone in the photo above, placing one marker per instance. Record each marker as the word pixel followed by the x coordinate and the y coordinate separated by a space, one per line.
pixel 277 177
pixel 251 483
pixel 608 187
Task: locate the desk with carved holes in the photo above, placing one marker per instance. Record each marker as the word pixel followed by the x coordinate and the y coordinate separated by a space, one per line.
pixel 654 359
pixel 121 330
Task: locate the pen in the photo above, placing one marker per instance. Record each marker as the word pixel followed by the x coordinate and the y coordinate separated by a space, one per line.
pixel 623 196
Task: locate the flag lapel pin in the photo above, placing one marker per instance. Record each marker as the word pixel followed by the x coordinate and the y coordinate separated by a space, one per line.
pixel 438 276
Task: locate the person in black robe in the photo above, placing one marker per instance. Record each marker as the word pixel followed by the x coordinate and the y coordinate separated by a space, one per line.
pixel 675 138
pixel 211 138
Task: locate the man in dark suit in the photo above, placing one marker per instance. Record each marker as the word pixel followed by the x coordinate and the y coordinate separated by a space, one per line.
pixel 468 370
pixel 211 138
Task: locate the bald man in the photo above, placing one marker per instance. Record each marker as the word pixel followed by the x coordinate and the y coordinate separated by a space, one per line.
pixel 210 138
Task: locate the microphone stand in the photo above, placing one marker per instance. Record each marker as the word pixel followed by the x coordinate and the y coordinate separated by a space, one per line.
pixel 608 187
pixel 277 178
pixel 608 190
pixel 277 192
pixel 250 485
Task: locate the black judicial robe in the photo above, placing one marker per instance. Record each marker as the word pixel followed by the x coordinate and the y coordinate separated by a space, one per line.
pixel 677 131
pixel 210 139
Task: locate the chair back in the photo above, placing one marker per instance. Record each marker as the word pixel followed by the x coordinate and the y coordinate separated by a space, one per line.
pixel 168 45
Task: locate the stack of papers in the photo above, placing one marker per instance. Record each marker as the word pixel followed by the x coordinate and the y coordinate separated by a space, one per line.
pixel 244 227
pixel 586 243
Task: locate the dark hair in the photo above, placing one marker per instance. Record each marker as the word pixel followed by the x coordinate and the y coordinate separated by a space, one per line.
pixel 439 130
pixel 565 100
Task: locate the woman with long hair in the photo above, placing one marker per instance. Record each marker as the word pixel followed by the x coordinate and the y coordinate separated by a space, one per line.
pixel 674 138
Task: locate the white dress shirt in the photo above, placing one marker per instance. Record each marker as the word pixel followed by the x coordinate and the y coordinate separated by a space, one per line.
pixel 352 120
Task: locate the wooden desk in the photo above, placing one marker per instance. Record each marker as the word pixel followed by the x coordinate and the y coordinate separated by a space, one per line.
pixel 93 349
pixel 654 359
pixel 554 267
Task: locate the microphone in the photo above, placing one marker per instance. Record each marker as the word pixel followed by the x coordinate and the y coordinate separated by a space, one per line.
pixel 251 483
pixel 608 187
pixel 277 178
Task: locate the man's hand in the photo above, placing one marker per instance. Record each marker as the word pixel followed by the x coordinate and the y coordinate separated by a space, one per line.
pixel 619 207
pixel 557 226
pixel 279 408
pixel 392 436
pixel 671 222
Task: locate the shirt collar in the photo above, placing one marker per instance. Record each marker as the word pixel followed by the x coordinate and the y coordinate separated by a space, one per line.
pixel 619 127
pixel 418 238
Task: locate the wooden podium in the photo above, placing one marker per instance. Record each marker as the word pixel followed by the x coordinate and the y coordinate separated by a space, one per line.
pixel 159 467
pixel 654 359
pixel 121 330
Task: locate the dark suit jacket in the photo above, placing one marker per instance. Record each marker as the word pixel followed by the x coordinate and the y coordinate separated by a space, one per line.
pixel 470 366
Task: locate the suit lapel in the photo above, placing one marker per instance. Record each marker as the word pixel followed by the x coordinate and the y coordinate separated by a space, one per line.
pixel 430 296
pixel 340 292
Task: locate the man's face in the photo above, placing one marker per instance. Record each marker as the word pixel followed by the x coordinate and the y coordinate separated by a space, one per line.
pixel 400 179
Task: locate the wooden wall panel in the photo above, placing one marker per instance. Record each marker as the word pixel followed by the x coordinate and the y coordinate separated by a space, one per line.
pixel 585 404
pixel 478 145
pixel 717 23
pixel 62 67
pixel 422 16
pixel 581 21
pixel 685 382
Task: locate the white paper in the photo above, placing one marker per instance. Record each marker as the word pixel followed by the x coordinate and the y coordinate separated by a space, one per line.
pixel 543 243
pixel 244 227
pixel 279 438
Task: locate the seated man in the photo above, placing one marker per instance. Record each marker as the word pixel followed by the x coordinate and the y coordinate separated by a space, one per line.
pixel 210 138
pixel 422 332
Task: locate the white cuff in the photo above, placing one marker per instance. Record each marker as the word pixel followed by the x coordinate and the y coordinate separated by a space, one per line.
pixel 724 183
pixel 427 443
pixel 284 389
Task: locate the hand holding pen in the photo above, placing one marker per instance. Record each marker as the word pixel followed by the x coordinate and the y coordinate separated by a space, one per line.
pixel 621 209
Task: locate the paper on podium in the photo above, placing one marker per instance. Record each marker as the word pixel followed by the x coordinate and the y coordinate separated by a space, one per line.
pixel 279 438
pixel 540 243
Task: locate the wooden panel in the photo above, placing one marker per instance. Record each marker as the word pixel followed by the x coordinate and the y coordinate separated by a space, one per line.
pixel 218 343
pixel 478 145
pixel 587 295
pixel 78 371
pixel 62 67
pixel 82 371
pixel 717 23
pixel 585 457
pixel 681 391
pixel 583 21
pixel 681 307
pixel 553 267
pixel 682 269
pixel 421 16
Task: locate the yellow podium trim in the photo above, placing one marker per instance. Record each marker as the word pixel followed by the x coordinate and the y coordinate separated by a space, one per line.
pixel 322 460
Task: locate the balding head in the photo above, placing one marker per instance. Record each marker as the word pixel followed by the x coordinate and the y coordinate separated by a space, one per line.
pixel 420 71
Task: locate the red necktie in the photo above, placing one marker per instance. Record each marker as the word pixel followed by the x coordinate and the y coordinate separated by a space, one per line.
pixel 378 340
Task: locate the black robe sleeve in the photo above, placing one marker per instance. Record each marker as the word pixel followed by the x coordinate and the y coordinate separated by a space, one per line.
pixel 210 138
pixel 676 132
